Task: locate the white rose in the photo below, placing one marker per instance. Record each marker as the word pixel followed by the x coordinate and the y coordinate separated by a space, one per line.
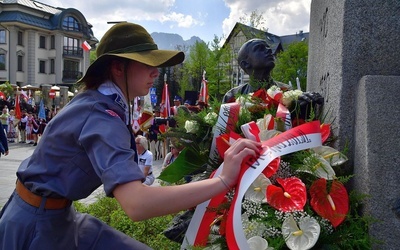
pixel 273 90
pixel 290 96
pixel 211 118
pixel 191 127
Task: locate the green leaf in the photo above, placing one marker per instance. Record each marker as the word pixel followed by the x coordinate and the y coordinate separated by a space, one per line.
pixel 186 163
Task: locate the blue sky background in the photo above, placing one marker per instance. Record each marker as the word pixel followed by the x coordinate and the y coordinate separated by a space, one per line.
pixel 202 18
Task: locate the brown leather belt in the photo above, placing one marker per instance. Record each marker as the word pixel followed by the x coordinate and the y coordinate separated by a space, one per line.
pixel 35 200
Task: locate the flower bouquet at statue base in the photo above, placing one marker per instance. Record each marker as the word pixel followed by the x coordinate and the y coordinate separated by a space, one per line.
pixel 288 198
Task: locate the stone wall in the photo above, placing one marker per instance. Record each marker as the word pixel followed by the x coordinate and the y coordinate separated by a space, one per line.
pixel 354 52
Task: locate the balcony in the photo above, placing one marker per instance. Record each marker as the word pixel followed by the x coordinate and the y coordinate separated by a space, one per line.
pixel 70 51
pixel 71 76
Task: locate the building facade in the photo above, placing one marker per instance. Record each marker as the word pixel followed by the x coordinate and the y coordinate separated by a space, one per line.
pixel 42 45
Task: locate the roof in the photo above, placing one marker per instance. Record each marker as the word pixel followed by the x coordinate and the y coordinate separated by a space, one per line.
pixel 277 43
pixel 51 19
pixel 33 5
pixel 273 41
pixel 17 16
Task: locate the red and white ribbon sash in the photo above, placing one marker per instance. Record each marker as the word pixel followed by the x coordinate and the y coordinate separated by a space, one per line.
pixel 299 138
pixel 227 118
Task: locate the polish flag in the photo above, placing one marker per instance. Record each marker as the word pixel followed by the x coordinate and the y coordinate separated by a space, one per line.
pixel 86 46
pixel 203 96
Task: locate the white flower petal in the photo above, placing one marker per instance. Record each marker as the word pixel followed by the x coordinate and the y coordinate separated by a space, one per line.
pixel 303 237
pixel 257 190
pixel 333 156
pixel 257 243
pixel 318 166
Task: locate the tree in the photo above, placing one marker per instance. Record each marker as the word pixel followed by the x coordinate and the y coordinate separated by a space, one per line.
pixel 196 62
pixel 217 76
pixel 292 63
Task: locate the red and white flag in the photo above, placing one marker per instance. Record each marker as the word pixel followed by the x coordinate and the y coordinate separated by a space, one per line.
pixel 86 46
pixel 203 96
pixel 165 106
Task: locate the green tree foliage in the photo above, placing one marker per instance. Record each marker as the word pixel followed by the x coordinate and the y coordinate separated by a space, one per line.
pixel 217 76
pixel 196 62
pixel 292 63
pixel 7 89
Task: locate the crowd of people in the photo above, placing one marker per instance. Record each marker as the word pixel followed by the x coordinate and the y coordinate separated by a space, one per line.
pixel 24 129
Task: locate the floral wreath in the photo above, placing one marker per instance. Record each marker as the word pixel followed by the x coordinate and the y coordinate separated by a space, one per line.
pixel 298 201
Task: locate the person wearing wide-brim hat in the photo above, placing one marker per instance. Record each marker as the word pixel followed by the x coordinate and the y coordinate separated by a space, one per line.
pixel 89 144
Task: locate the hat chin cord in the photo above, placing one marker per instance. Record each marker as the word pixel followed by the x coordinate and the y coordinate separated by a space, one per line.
pixel 127 96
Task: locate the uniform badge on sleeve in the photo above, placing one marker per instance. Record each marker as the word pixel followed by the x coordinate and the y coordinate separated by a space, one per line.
pixel 111 112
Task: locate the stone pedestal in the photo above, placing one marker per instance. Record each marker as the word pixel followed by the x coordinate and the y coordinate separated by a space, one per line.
pixel 354 52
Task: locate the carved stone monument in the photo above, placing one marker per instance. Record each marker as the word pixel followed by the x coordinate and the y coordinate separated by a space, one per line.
pixel 354 62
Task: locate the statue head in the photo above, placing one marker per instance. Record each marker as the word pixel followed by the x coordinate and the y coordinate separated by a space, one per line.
pixel 256 59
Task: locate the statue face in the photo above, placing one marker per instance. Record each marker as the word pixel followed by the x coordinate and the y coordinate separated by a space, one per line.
pixel 260 56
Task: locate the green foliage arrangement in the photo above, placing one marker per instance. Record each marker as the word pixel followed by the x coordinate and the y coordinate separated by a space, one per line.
pixel 147 231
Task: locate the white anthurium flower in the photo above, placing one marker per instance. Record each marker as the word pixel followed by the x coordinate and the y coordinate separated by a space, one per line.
pixel 191 126
pixel 301 237
pixel 258 189
pixel 258 243
pixel 268 134
pixel 290 96
pixel 333 156
pixel 318 166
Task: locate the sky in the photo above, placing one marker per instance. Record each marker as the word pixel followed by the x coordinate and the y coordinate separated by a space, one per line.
pixel 201 18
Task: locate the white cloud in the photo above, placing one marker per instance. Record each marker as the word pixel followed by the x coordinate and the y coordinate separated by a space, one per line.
pixel 282 17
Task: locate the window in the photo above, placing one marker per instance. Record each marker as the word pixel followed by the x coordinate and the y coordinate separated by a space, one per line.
pixel 20 63
pixel 2 36
pixel 42 66
pixel 20 38
pixel 52 42
pixel 2 61
pixel 52 66
pixel 72 47
pixel 42 42
pixel 71 24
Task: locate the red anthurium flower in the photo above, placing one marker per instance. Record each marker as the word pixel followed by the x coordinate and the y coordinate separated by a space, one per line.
pixel 332 205
pixel 291 197
pixel 325 131
pixel 272 167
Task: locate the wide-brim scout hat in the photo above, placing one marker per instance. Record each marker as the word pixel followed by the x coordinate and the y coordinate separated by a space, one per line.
pixel 130 41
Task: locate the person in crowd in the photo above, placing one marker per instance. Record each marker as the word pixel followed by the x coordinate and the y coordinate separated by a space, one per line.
pixel 12 124
pixel 4 118
pixel 177 103
pixel 145 159
pixel 29 128
pixel 90 143
pixel 34 124
pixel 171 156
pixel 22 126
pixel 3 143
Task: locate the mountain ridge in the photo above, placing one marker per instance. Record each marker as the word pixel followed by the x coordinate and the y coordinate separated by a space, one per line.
pixel 170 41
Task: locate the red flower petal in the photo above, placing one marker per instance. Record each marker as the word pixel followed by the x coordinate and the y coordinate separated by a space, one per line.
pixel 272 167
pixel 325 131
pixel 292 197
pixel 323 207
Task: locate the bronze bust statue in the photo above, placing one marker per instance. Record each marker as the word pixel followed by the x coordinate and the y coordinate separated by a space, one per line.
pixel 256 59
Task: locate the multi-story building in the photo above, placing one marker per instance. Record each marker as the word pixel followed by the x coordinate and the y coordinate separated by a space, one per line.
pixel 42 45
